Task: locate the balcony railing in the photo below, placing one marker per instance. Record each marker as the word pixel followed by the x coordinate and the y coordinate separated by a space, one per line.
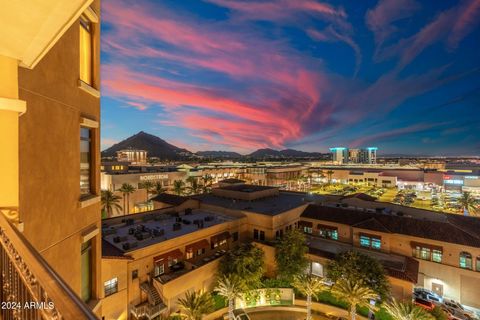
pixel 31 289
pixel 147 310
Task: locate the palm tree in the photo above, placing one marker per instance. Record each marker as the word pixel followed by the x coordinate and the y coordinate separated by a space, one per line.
pixel 309 285
pixel 207 181
pixel 195 304
pixel 231 287
pixel 179 187
pixel 330 174
pixel 110 202
pixel 148 186
pixel 194 187
pixel 406 311
pixel 158 188
pixel 126 189
pixel 468 203
pixel 354 293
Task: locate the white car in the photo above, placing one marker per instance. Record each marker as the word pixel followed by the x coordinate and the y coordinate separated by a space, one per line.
pixel 457 307
pixel 454 314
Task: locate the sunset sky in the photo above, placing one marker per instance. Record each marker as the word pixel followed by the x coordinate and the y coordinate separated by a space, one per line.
pixel 402 75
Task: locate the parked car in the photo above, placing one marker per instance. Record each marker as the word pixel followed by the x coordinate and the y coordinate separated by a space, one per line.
pixel 453 314
pixel 427 305
pixel 428 295
pixel 454 305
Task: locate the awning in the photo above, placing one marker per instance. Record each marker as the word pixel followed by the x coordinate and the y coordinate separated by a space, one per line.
pixel 174 254
pixel 361 234
pixel 324 226
pixel 202 244
pixel 307 224
pixel 219 237
pixel 415 244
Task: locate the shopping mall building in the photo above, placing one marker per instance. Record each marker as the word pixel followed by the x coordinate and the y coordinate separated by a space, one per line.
pixel 151 259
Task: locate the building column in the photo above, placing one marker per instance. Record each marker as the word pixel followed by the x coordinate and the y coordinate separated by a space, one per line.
pixel 10 110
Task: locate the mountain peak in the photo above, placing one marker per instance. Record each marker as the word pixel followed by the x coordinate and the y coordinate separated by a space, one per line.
pixel 154 146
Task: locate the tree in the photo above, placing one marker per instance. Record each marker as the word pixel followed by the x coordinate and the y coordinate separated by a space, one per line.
pixel 355 293
pixel 469 204
pixel 406 311
pixel 355 266
pixel 148 186
pixel 330 174
pixel 179 187
pixel 231 287
pixel 246 262
pixel 126 189
pixel 195 304
pixel 158 188
pixel 110 202
pixel 290 253
pixel 309 285
pixel 194 187
pixel 207 182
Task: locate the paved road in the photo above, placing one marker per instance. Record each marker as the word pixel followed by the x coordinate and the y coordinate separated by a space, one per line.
pixel 281 315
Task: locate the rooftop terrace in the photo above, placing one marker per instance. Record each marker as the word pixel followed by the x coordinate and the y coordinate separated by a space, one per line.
pixel 138 231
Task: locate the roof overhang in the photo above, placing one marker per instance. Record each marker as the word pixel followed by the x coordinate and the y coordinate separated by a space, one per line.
pixel 32 27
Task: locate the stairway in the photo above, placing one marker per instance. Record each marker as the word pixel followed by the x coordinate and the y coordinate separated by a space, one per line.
pixel 152 293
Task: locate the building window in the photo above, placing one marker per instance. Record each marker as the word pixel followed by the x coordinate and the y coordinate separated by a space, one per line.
pixel 328 232
pixel 262 235
pixel 317 269
pixel 86 270
pixel 255 234
pixel 478 264
pixel 134 274
pixel 376 243
pixel 368 241
pixel 465 260
pixel 307 230
pixel 189 254
pixel 85 161
pixel 86 50
pixel 235 236
pixel 111 286
pixel 159 268
pixel 200 252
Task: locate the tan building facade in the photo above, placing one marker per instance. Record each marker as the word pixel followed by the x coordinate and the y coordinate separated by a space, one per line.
pixel 59 155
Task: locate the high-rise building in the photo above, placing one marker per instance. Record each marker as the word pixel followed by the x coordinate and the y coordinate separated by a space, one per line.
pixel 132 155
pixel 367 155
pixel 340 155
pixel 49 137
pixel 355 155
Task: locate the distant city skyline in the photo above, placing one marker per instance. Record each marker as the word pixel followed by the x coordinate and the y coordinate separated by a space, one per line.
pixel 228 75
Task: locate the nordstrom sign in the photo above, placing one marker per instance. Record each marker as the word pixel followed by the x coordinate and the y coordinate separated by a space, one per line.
pixel 154 177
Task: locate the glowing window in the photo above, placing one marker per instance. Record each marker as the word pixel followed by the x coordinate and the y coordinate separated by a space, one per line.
pixel 86 55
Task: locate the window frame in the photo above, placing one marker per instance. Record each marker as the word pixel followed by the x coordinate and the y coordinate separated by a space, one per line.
pixel 86 24
pixel 110 286
pixel 467 256
pixel 91 163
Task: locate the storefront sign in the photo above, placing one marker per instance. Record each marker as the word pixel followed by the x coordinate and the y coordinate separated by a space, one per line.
pixel 154 177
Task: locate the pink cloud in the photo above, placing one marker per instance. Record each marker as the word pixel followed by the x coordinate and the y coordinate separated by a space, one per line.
pixel 251 124
pixel 278 9
pixel 468 19
pixel 463 17
pixel 380 20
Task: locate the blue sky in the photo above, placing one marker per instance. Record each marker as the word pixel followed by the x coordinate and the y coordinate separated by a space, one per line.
pixel 402 75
